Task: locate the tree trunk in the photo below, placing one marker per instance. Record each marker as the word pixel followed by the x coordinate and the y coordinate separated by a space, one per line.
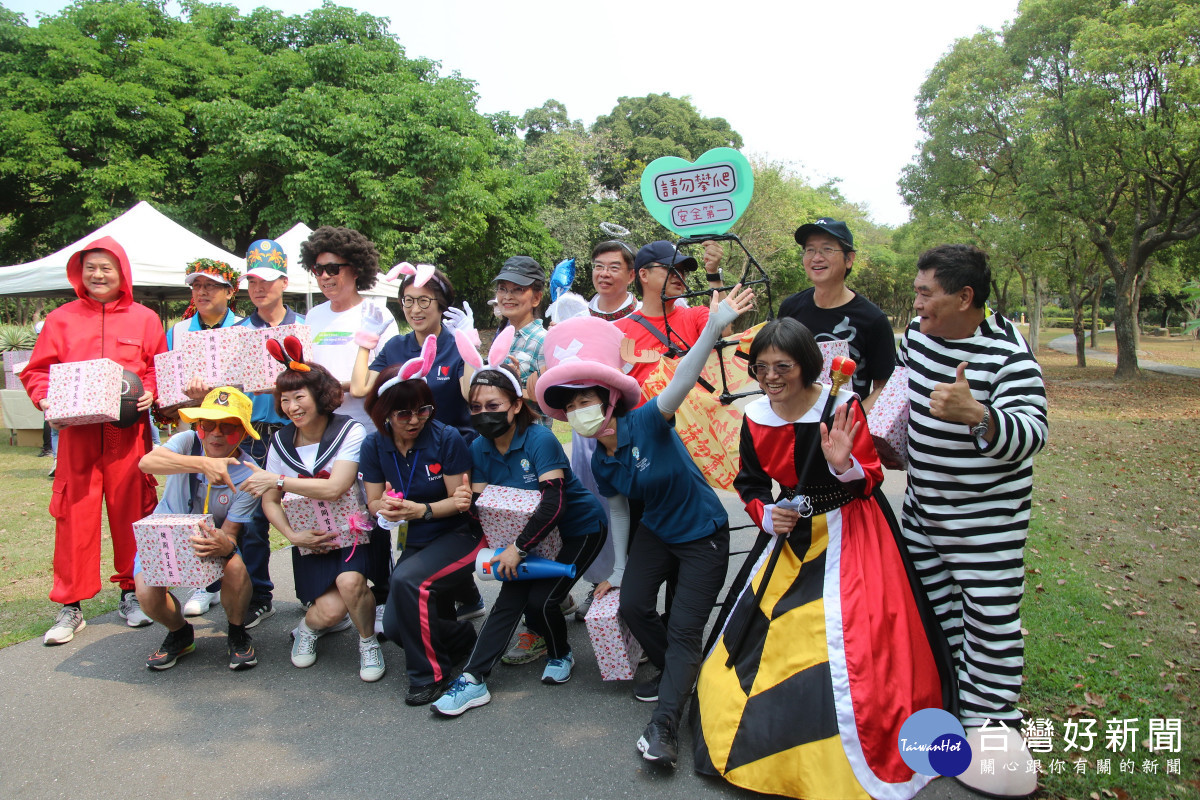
pixel 1096 312
pixel 1078 296
pixel 1126 325
pixel 1035 313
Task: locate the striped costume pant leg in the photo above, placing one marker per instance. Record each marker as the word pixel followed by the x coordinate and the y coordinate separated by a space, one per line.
pixel 975 588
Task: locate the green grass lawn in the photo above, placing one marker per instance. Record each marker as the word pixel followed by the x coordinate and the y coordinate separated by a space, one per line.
pixel 1113 579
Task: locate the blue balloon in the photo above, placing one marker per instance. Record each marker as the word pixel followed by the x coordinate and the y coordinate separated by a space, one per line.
pixel 562 278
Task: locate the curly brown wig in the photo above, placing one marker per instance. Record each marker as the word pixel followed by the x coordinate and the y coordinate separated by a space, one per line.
pixel 347 244
pixel 326 390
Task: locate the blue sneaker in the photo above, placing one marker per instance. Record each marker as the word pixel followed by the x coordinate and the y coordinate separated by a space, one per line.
pixel 558 670
pixel 461 697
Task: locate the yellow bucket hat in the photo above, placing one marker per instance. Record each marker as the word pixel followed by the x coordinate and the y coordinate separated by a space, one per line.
pixel 224 402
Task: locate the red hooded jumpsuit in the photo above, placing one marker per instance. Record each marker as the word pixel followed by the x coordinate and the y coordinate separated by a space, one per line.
pixel 98 461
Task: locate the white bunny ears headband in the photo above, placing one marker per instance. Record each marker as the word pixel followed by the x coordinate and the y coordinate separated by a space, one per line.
pixel 422 274
pixel 496 355
pixel 418 367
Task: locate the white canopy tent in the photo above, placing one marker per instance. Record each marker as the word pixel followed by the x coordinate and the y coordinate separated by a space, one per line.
pixel 158 248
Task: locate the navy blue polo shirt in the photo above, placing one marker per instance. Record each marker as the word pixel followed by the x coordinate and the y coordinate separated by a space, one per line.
pixel 443 378
pixel 533 452
pixel 652 465
pixel 438 451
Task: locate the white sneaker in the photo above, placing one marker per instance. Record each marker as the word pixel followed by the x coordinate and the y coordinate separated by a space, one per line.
pixel 200 601
pixel 304 648
pixel 69 622
pixel 370 660
pixel 998 783
pixel 379 619
pixel 345 623
pixel 130 610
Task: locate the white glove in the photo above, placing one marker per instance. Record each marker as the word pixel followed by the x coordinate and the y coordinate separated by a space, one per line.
pixel 374 323
pixel 461 320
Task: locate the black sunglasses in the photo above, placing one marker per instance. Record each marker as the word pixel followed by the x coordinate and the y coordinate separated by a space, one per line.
pixel 329 269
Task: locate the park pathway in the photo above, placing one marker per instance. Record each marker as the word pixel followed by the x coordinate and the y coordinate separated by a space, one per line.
pixel 1066 344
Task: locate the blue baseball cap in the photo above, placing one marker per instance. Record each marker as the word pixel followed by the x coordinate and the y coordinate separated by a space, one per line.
pixel 265 259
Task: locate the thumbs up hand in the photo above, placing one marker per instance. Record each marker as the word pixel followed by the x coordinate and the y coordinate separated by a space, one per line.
pixel 954 402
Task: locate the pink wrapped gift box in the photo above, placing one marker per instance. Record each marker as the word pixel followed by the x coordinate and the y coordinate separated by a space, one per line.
pixel 217 355
pixel 888 421
pixel 11 359
pixel 306 514
pixel 168 558
pixel 831 349
pixel 171 374
pixel 259 369
pixel 617 652
pixel 503 513
pixel 84 392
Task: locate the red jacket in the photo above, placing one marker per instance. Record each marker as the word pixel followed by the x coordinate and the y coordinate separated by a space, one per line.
pixel 123 330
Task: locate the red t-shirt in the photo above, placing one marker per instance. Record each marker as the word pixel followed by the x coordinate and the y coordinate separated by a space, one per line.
pixel 686 325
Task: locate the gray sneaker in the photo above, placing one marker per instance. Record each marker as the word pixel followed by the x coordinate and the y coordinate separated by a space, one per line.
pixel 529 647
pixel 69 622
pixel 130 610
pixel 581 612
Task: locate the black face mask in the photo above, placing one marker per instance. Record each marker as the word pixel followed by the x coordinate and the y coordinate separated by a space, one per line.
pixel 491 425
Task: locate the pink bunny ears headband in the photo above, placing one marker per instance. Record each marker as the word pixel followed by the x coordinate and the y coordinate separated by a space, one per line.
pixel 496 356
pixel 418 367
pixel 422 273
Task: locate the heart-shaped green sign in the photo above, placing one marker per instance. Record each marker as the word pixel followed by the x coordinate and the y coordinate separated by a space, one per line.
pixel 697 197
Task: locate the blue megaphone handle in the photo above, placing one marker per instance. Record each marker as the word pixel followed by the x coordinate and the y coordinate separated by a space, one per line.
pixel 562 278
pixel 536 567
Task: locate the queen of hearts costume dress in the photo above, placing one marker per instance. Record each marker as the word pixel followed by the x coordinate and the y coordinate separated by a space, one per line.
pixel 839 652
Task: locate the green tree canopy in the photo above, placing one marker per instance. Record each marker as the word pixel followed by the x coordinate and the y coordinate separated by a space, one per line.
pixel 240 126
pixel 1081 111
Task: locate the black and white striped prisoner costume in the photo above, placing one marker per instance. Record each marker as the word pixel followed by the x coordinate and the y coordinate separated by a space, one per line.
pixel 966 511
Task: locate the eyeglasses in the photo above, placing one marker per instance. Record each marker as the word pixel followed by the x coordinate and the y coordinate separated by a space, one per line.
pixel 760 371
pixel 492 406
pixel 824 252
pixel 611 269
pixel 421 302
pixel 227 428
pixel 402 414
pixel 331 270
pixel 511 291
pixel 207 287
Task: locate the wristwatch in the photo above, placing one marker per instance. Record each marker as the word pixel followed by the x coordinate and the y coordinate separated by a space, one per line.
pixel 521 553
pixel 279 483
pixel 713 277
pixel 981 428
pixel 428 515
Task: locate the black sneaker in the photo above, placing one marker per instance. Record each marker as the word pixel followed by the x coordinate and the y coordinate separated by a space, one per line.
pixel 177 644
pixel 241 651
pixel 647 691
pixel 659 744
pixel 258 611
pixel 424 695
pixel 46 451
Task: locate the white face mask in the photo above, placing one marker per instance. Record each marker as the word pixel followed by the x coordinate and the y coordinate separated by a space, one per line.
pixel 587 421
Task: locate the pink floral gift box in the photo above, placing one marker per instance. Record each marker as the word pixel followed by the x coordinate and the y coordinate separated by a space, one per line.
pixel 888 421
pixel 217 355
pixel 259 369
pixel 172 376
pixel 617 652
pixel 307 514
pixel 85 392
pixel 167 555
pixel 503 513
